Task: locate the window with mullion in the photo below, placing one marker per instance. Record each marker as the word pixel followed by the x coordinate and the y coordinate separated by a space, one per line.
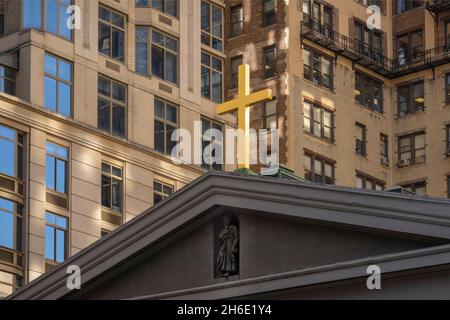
pixel 156 54
pixel 368 42
pixel 419 187
pixel 365 182
pixel 161 191
pixel 406 5
pixel 270 115
pixel 384 147
pixel 211 77
pixel 236 20
pixel 234 71
pixel 317 69
pixel 57 158
pixel 11 153
pixel 269 12
pixel 369 92
pixel 58 81
pixel 212 138
pixel 166 121
pixel 318 121
pixel 447 88
pixel 56 237
pixel 447 140
pixel 166 6
pixel 112 187
pixel 111 34
pixel 361 139
pixel 11 232
pixel 212 25
pixel 7 80
pixel 318 169
pixel 112 107
pixel 56 17
pixel 269 61
pixel 412 148
pixel 410 98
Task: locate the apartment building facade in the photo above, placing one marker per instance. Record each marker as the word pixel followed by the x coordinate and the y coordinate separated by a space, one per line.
pixel 357 106
pixel 86 117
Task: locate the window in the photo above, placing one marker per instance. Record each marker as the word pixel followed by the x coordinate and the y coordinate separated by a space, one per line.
pixel 419 188
pixel 371 2
pixel 56 17
pixel 447 140
pixel 270 115
pixel 166 6
pixel 369 92
pixel 236 20
pixel 365 182
pixel 269 60
pixel 211 23
pixel 56 168
pixel 211 139
pixel 163 55
pixel 368 42
pixel 234 72
pixel 318 121
pixel 7 80
pixel 361 139
pixel 11 153
pixel 111 34
pixel 111 187
pixel 268 12
pixel 313 17
pixel 112 102
pixel 161 191
pixel 384 149
pixel 448 187
pixel 2 19
pixel 9 283
pixel 318 169
pixel 55 237
pixel 447 35
pixel 405 5
pixel 447 88
pixel 58 85
pixel 166 121
pixel 32 14
pixel 10 225
pixel 410 47
pixel 212 69
pixel 52 12
pixel 411 98
pixel 317 68
pixel 411 149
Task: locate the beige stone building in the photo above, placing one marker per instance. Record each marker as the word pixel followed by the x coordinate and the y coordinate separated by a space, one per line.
pixel 356 105
pixel 86 116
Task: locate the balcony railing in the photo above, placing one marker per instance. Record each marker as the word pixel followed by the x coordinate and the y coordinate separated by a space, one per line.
pixel 407 61
pixel 436 6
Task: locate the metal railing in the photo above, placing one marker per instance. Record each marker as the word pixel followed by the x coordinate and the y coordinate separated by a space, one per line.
pixel 407 61
pixel 436 6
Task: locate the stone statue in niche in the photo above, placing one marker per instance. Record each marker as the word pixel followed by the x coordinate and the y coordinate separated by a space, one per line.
pixel 227 257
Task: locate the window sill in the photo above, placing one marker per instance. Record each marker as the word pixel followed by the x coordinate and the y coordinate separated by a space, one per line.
pixel 113 59
pixel 329 142
pixel 410 115
pixel 320 86
pixel 369 109
pixel 411 165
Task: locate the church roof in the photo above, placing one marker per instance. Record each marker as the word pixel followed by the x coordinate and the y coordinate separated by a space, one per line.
pixel 422 217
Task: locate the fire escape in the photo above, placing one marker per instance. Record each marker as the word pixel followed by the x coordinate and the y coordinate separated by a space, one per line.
pixel 360 53
pixel 437 6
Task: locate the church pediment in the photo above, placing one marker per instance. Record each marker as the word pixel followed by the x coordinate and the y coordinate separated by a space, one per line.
pixel 251 235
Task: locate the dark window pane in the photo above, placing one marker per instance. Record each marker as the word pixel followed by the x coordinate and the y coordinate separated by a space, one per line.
pixel 142 57
pixel 172 7
pixel 119 92
pixel 171 67
pixel 117 45
pixel 158 4
pixel 171 113
pixel 104 86
pixel 116 195
pixel 170 144
pixel 206 83
pixel 217 87
pixel 157 62
pixel 159 136
pixel 106 191
pixel 104 120
pixel 104 39
pixel 118 121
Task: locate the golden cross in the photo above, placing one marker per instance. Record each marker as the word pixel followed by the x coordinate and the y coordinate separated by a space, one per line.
pixel 242 104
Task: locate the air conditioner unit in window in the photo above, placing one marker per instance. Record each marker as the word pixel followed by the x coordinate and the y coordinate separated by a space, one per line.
pixel 404 163
pixel 384 161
